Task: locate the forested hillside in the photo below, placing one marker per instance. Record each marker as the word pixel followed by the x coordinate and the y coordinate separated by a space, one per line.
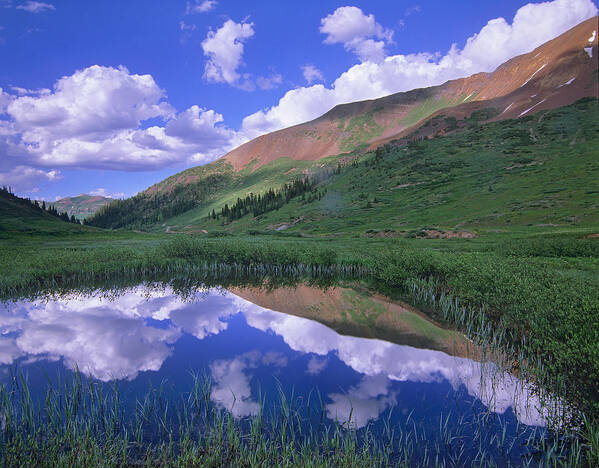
pixel 537 170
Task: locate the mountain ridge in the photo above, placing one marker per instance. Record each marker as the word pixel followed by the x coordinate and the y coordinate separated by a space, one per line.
pixel 551 76
pixel 81 206
pixel 514 85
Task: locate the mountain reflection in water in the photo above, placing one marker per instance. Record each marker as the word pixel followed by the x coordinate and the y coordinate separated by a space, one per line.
pixel 136 331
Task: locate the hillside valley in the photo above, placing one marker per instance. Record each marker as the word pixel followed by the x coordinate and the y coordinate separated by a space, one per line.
pixel 81 206
pixel 493 150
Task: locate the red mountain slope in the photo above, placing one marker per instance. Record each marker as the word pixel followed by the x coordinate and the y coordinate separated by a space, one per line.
pixel 557 73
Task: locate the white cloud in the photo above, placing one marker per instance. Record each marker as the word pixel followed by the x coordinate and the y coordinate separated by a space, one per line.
pixel 92 103
pixel 297 106
pixel 5 100
pixel 224 49
pixel 35 7
pixel 312 74
pixel 197 125
pixel 269 82
pixel 208 320
pixel 103 338
pixel 231 388
pixel 95 119
pixel 26 179
pixel 102 192
pixel 363 402
pixel 411 10
pixel 199 6
pixel 357 32
pixel 34 92
pixel 186 31
pixel 498 41
pixel 316 366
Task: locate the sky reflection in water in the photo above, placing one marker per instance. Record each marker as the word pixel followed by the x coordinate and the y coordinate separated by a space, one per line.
pixel 144 332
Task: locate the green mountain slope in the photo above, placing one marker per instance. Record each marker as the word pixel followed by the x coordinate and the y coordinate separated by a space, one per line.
pixel 540 170
pixel 21 216
pixel 554 75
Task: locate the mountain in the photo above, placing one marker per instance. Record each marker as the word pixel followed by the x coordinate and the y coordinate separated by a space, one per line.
pixel 81 206
pixel 358 313
pixel 493 149
pixel 22 216
pixel 555 74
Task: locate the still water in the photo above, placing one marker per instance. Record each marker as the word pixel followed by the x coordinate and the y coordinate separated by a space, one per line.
pixel 358 359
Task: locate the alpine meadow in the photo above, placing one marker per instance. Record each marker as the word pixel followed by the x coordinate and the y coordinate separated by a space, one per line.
pixel 399 267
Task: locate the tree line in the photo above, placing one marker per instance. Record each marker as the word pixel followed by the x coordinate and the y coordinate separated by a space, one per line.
pixel 42 208
pixel 263 203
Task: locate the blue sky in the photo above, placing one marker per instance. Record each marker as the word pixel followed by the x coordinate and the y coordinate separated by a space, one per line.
pixel 112 96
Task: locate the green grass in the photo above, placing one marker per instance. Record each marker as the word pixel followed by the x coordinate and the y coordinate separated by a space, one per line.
pixel 428 107
pixel 361 130
pixel 19 217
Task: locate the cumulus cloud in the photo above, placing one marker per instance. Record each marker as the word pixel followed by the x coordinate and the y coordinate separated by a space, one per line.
pixel 186 31
pixel 186 27
pixel 359 33
pixel 5 100
pixel 198 125
pixel 498 41
pixel 111 337
pixel 35 7
pixel 411 10
pixel 206 319
pixel 199 6
pixel 103 338
pixel 96 118
pixel 224 49
pixel 231 381
pixel 91 104
pixel 231 388
pixel 312 74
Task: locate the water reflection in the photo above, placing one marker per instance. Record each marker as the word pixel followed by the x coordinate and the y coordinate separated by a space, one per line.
pixel 137 331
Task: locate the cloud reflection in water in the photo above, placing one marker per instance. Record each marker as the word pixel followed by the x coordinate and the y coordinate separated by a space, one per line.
pixel 116 338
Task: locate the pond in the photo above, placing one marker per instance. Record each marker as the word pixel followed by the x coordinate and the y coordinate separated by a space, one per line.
pixel 338 356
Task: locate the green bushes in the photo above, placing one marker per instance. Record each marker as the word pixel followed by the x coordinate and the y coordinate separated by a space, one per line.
pixel 548 316
pixel 236 251
pixel 556 247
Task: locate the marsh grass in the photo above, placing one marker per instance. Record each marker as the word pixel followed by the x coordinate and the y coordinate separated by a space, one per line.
pixel 76 421
pixel 533 311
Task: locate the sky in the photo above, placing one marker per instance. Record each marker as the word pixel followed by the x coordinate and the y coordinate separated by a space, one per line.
pixel 109 97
